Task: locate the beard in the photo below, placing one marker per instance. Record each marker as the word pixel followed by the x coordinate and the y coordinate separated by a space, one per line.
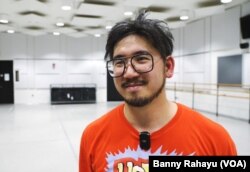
pixel 137 101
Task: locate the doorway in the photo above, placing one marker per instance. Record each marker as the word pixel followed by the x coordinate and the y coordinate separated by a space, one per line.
pixel 6 82
pixel 112 93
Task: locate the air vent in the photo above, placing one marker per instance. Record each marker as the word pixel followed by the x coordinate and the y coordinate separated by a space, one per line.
pixel 158 9
pixel 208 3
pixel 66 25
pixel 99 2
pixel 79 30
pixel 88 16
pixel 173 19
pixel 34 27
pixel 24 13
pixel 43 1
pixel 95 27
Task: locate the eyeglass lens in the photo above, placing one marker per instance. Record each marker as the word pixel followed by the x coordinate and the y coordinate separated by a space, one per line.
pixel 141 63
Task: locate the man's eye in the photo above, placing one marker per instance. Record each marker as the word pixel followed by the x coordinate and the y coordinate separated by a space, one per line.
pixel 118 63
pixel 142 58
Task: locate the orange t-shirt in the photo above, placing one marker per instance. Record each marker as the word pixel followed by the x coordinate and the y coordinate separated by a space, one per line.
pixel 111 144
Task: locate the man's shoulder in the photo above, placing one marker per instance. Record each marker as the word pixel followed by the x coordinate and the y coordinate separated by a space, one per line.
pixel 199 118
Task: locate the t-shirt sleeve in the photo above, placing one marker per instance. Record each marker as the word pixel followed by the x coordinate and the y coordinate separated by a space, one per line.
pixel 232 149
pixel 228 148
pixel 84 154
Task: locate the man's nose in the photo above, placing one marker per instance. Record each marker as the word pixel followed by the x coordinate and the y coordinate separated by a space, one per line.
pixel 130 71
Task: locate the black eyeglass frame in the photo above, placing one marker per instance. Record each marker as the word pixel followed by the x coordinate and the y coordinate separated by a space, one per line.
pixel 124 61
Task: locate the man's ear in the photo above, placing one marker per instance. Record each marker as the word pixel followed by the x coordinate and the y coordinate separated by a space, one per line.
pixel 169 66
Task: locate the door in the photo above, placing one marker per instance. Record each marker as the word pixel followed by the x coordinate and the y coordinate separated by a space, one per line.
pixel 112 93
pixel 6 82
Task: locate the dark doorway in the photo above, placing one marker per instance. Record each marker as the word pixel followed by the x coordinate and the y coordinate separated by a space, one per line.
pixel 6 82
pixel 112 94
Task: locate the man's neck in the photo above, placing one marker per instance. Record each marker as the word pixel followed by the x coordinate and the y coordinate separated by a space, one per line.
pixel 151 117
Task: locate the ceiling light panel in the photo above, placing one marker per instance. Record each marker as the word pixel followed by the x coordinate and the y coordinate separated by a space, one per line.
pixel 66 7
pixel 33 32
pixel 32 19
pixel 4 19
pixel 160 16
pixel 100 10
pixel 77 34
pixel 31 5
pixel 209 11
pixel 95 31
pixel 84 21
pixel 11 31
pixel 225 1
pixel 44 13
pixel 4 28
pixel 144 3
pixel 65 30
pixel 56 33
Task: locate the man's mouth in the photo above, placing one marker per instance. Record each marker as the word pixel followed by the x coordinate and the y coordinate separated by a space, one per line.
pixel 129 84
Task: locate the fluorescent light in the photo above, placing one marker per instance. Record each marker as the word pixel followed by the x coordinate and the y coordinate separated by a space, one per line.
pixel 97 35
pixel 67 4
pixel 66 7
pixel 128 13
pixel 184 17
pixel 108 27
pixel 56 33
pixel 10 31
pixel 4 21
pixel 225 1
pixel 60 24
pixel 4 18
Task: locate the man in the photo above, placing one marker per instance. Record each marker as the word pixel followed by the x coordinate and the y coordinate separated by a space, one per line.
pixel 138 55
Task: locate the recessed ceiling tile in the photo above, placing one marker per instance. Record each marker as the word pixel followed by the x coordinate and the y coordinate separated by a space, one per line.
pixel 33 32
pixel 144 3
pixel 176 24
pixel 32 19
pixel 98 10
pixel 208 11
pixel 78 34
pixel 96 31
pixel 84 21
pixel 156 15
pixel 5 28
pixel 64 30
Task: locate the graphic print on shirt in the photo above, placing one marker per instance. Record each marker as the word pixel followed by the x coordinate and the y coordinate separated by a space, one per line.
pixel 134 160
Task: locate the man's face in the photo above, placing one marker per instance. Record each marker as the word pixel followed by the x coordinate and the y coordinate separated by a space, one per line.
pixel 139 89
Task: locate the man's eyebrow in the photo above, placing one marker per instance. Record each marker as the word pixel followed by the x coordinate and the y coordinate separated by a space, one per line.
pixel 134 54
pixel 119 57
pixel 141 52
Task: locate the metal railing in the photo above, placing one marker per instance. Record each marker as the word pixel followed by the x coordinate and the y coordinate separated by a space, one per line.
pixel 230 100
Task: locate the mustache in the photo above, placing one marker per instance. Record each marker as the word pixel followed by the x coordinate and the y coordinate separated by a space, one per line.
pixel 133 82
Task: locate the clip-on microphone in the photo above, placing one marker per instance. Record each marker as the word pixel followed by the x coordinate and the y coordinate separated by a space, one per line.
pixel 145 140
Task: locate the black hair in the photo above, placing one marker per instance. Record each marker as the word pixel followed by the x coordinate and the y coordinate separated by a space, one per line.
pixel 155 31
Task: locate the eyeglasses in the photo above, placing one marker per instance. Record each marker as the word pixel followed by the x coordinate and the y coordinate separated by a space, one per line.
pixel 141 63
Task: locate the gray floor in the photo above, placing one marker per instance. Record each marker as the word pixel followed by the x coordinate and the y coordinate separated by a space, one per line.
pixel 45 138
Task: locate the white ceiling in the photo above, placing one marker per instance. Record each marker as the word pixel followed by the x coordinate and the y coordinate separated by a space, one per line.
pixel 89 17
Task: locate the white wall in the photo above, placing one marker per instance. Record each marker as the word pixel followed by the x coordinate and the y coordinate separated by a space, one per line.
pixel 46 60
pixel 199 44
